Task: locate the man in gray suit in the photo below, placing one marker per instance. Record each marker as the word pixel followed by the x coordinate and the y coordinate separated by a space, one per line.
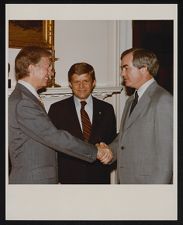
pixel 144 145
pixel 33 139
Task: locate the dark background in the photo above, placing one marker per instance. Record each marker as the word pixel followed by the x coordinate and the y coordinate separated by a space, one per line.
pixel 157 35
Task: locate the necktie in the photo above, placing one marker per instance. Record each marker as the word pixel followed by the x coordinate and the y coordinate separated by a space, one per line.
pixel 85 122
pixel 134 102
pixel 41 101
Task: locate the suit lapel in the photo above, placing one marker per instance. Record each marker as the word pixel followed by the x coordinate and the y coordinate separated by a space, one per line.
pixel 126 113
pixel 97 114
pixel 137 112
pixel 30 95
pixel 142 105
pixel 74 116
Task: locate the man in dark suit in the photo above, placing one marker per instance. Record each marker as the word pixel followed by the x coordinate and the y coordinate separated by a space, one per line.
pixel 144 145
pixel 33 139
pixel 66 115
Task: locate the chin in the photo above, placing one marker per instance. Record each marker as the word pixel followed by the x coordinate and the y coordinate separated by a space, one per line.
pixel 128 85
pixel 82 98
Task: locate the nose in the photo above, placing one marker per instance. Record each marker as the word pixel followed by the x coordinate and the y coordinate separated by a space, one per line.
pixel 122 74
pixel 81 84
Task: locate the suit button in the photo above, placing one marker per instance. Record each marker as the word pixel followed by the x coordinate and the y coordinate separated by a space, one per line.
pixel 122 147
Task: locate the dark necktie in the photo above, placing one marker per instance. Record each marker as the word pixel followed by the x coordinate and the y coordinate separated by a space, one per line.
pixel 134 102
pixel 85 122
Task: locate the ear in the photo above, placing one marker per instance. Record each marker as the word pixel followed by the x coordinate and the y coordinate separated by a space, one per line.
pixel 94 83
pixel 70 85
pixel 143 70
pixel 30 68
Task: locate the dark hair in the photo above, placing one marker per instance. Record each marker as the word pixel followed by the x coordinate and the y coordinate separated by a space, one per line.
pixel 81 68
pixel 143 57
pixel 27 56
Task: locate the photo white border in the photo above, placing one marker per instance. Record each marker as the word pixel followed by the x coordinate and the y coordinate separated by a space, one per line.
pixel 94 202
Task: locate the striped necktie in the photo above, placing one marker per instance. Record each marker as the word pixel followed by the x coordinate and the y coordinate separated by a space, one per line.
pixel 86 124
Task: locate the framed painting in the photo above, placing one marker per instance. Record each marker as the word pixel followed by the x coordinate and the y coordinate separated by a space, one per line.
pixel 31 32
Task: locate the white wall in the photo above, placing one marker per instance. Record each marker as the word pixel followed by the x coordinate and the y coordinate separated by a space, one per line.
pixel 125 42
pixel 91 41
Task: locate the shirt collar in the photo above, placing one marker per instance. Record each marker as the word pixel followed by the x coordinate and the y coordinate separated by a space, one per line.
pixel 77 100
pixel 142 89
pixel 29 87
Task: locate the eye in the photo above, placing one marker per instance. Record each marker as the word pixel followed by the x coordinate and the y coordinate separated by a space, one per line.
pixel 75 82
pixel 125 67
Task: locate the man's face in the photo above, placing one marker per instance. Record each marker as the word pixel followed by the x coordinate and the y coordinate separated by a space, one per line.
pixel 131 75
pixel 82 85
pixel 41 72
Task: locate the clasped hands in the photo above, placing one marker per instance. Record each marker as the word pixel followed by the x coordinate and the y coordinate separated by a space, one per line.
pixel 104 153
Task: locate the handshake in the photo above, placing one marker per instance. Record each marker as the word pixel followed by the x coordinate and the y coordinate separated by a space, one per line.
pixel 104 153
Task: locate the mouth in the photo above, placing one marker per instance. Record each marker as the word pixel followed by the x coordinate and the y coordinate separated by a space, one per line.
pixel 124 82
pixel 81 90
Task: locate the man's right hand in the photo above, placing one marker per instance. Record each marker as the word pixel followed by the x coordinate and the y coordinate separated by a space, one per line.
pixel 104 153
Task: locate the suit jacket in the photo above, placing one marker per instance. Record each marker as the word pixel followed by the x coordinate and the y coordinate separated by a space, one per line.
pixel 33 140
pixel 144 146
pixel 64 116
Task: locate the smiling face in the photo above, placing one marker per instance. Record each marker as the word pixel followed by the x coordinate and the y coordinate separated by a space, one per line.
pixel 40 72
pixel 82 85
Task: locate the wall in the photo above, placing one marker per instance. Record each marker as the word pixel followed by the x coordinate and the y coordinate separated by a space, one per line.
pixel 91 41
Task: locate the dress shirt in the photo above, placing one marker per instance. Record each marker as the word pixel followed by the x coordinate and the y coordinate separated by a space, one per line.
pixel 142 89
pixel 88 108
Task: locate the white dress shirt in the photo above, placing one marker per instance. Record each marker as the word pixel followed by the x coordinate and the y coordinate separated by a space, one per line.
pixel 143 88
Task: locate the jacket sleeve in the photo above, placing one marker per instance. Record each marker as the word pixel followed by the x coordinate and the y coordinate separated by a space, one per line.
pixel 35 123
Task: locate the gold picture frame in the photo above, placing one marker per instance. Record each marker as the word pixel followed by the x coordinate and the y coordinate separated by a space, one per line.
pixel 31 32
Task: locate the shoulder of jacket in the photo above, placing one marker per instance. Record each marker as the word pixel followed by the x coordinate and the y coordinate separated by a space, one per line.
pixel 62 102
pixel 102 102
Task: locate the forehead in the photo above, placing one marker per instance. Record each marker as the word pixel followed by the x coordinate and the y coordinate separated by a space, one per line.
pixel 127 59
pixel 84 76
